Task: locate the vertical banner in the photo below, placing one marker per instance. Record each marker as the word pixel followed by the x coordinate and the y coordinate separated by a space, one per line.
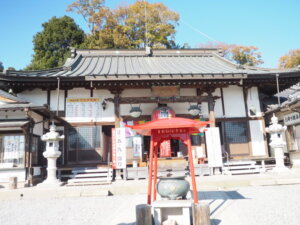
pixel 113 147
pixel 165 149
pixel 213 146
pixel 120 148
pixel 137 146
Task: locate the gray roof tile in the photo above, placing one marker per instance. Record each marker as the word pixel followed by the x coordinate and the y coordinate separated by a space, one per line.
pixel 163 64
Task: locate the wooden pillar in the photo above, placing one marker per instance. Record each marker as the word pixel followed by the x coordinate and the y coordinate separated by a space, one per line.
pixel 116 101
pixel 150 171
pixel 143 214
pixel 155 171
pixel 191 165
pixel 245 95
pixel 117 110
pixel 201 214
pixel 211 108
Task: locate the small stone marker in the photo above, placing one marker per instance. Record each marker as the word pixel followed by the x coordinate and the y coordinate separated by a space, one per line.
pixel 201 214
pixel 13 182
pixel 143 214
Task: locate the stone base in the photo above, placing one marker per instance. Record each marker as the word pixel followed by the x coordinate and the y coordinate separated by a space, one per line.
pixel 47 184
pixel 177 210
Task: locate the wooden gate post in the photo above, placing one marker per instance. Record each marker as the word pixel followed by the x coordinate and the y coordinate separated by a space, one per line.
pixel 201 214
pixel 143 214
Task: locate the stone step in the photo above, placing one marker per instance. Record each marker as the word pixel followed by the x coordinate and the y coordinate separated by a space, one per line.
pixel 99 170
pixel 88 183
pixel 237 172
pixel 82 180
pixel 251 167
pixel 238 163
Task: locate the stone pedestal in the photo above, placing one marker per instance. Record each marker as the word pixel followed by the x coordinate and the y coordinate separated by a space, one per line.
pixel 176 210
pixel 52 139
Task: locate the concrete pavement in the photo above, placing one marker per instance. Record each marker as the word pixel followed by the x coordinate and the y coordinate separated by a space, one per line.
pixel 120 187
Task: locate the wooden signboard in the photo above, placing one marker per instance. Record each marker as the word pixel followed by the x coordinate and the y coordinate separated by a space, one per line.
pixel 165 91
pixel 83 107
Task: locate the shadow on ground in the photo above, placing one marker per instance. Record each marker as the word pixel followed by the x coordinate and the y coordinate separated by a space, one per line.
pixel 215 221
pixel 218 195
pixel 1 186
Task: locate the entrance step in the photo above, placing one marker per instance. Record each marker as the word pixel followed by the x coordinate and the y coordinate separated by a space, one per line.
pixel 241 167
pixel 90 176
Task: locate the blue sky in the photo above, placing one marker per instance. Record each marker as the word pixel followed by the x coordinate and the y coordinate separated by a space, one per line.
pixel 271 25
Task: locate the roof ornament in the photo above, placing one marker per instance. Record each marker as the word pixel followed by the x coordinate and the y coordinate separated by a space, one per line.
pixel 73 53
pixel 240 67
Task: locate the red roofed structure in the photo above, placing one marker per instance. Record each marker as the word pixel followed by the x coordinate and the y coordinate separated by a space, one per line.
pixel 161 130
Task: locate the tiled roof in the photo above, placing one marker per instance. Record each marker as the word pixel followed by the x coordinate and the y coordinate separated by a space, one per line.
pixel 135 64
pixel 8 98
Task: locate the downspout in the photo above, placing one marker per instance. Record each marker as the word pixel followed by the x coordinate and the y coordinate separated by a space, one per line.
pixel 277 84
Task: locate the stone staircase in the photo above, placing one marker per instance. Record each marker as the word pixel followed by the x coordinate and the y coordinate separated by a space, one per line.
pixel 90 176
pixel 241 167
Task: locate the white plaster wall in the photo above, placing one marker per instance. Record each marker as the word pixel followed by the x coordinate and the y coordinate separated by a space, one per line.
pixel 218 104
pixel 108 115
pixel 234 101
pixel 13 115
pixel 146 108
pixel 253 100
pixel 53 100
pixel 38 128
pixel 257 138
pixel 79 93
pixel 36 96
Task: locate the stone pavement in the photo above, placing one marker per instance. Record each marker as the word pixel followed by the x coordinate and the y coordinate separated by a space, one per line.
pixel 120 187
pixel 260 205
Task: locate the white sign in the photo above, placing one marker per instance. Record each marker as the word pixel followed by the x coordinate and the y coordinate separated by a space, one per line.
pixel 213 146
pixel 120 148
pixel 291 118
pixel 137 146
pixel 83 107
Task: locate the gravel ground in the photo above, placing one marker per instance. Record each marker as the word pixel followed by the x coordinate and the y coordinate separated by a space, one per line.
pixel 272 205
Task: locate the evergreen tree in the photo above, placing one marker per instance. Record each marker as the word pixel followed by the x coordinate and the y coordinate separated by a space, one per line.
pixel 52 45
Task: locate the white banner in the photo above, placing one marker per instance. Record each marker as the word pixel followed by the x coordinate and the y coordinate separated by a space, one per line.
pixel 120 148
pixel 137 146
pixel 213 146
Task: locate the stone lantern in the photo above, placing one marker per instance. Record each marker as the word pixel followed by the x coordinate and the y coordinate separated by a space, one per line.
pixel 52 139
pixel 277 144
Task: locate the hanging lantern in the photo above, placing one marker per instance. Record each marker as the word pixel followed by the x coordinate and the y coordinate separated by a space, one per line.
pixel 194 110
pixel 135 111
pixel 162 112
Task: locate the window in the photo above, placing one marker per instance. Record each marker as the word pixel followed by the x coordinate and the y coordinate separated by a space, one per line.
pixel 12 148
pixel 84 138
pixel 34 149
pixel 236 132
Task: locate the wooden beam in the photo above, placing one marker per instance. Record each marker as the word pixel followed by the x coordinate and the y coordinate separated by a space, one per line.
pixel 137 100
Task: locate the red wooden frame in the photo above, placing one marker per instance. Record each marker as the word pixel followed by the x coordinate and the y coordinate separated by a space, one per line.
pixel 167 129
